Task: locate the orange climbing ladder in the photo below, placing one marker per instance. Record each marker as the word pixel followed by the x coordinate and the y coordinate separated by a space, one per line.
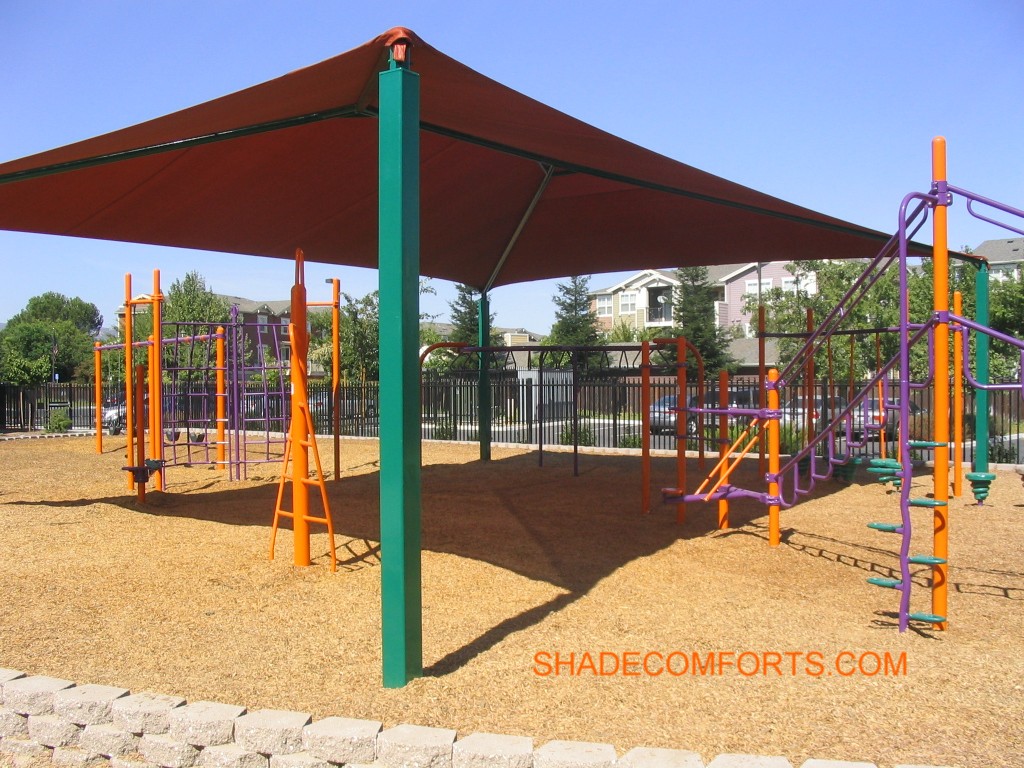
pixel 301 438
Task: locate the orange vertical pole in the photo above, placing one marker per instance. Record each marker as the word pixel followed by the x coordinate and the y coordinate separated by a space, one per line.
pixel 129 373
pixel 140 428
pixel 723 444
pixel 774 536
pixel 97 361
pixel 336 371
pixel 149 412
pixel 762 371
pixel 958 400
pixel 645 426
pixel 681 444
pixel 156 382
pixel 940 299
pixel 298 431
pixel 222 398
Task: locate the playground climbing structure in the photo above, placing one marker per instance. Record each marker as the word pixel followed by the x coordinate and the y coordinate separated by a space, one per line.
pixel 892 385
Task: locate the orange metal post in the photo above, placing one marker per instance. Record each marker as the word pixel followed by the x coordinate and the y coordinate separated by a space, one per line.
pixel 940 299
pixel 97 361
pixel 336 371
pixel 774 536
pixel 140 428
pixel 958 399
pixel 156 381
pixel 129 372
pixel 300 454
pixel 222 399
pixel 645 426
pixel 723 443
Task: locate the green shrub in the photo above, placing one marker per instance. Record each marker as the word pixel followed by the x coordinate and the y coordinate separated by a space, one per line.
pixel 59 422
pixel 585 433
pixel 631 441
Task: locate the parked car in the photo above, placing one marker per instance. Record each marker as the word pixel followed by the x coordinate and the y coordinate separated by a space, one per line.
pixel 663 413
pixel 823 412
pixel 114 415
pixel 877 419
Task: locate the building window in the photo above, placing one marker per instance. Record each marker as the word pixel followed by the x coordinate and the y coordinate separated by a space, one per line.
pixel 261 319
pixel 604 306
pixel 750 287
pixel 790 284
pixel 627 303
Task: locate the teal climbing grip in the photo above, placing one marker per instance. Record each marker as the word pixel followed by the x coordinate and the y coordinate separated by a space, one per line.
pixel 980 484
pixel 891 463
pixel 926 560
pixel 926 444
pixel 927 503
pixel 928 618
pixel 887 527
pixel 887 583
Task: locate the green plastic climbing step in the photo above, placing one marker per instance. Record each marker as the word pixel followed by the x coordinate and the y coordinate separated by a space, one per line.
pixel 891 463
pixel 882 470
pixel 887 527
pixel 929 618
pixel 925 560
pixel 927 503
pixel 926 444
pixel 887 583
pixel 980 477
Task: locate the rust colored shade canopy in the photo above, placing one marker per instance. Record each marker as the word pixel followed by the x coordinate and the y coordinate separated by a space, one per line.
pixel 292 162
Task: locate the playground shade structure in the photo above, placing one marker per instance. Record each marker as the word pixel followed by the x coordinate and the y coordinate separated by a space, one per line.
pixel 292 162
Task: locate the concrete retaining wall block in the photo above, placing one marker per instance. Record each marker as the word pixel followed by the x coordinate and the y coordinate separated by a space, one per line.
pixel 647 757
pixel 8 674
pixel 342 740
pixel 161 749
pixel 271 731
pixel 33 695
pixel 87 704
pixel 491 750
pixel 53 731
pixel 415 746
pixel 13 725
pixel 232 756
pixel 816 763
pixel 749 761
pixel 75 757
pixel 108 740
pixel 574 754
pixel 204 723
pixel 144 712
pixel 300 760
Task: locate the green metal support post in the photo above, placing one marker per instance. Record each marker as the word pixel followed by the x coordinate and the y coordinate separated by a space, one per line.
pixel 400 536
pixel 981 372
pixel 483 314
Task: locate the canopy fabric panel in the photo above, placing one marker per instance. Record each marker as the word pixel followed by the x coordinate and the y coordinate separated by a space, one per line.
pixel 293 163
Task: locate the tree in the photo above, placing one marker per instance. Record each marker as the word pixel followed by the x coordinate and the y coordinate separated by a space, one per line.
pixel 575 324
pixel 190 301
pixel 464 316
pixel 54 307
pixel 693 316
pixel 360 337
pixel 53 335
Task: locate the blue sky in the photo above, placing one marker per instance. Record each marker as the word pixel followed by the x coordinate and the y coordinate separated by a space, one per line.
pixel 831 105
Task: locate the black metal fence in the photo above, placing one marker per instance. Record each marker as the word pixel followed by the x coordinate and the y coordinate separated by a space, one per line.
pixel 558 407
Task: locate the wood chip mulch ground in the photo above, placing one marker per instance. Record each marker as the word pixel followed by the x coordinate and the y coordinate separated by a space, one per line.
pixel 522 562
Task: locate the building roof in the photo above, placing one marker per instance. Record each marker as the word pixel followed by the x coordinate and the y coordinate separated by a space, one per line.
pixel 1003 250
